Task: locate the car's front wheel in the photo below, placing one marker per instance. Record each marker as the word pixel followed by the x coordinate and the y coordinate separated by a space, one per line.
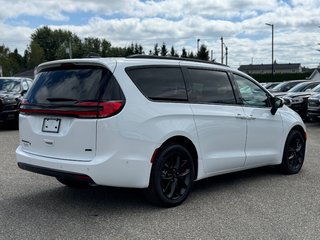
pixel 294 153
pixel 171 177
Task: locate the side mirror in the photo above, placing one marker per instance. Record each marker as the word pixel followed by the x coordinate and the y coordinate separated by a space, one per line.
pixel 275 104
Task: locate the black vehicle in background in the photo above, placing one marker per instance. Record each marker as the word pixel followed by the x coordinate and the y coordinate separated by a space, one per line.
pixel 314 104
pixel 286 86
pixel 297 97
pixel 12 90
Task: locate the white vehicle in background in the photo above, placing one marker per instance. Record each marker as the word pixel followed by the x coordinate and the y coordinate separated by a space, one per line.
pixel 154 123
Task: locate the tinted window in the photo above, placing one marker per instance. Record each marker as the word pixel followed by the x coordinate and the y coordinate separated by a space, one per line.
pixel 209 86
pixel 80 84
pixel 251 94
pixel 159 83
pixel 113 91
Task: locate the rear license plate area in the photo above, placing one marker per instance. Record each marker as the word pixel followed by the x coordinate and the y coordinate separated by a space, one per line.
pixel 51 125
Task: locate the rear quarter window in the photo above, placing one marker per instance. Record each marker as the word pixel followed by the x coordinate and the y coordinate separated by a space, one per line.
pixel 159 83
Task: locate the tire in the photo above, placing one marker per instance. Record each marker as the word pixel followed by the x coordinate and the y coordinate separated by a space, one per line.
pixel 294 153
pixel 171 177
pixel 72 183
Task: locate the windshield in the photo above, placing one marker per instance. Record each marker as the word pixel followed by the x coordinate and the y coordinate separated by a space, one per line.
pixel 316 89
pixel 300 87
pixel 9 85
pixel 285 86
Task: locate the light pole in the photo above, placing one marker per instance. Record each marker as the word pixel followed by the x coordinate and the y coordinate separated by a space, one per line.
pixel 272 27
pixel 226 53
pixel 221 50
pixel 198 40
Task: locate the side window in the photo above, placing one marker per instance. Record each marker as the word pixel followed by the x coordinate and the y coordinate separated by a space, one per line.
pixel 159 83
pixel 25 85
pixel 208 86
pixel 251 94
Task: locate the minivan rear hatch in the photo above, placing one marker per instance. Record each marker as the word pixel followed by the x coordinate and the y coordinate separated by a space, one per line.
pixel 60 112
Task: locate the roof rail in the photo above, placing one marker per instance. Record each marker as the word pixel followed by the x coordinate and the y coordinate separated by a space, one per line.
pixel 173 58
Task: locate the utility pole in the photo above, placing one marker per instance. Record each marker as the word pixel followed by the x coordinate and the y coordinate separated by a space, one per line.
pixel 198 40
pixel 272 27
pixel 226 55
pixel 221 50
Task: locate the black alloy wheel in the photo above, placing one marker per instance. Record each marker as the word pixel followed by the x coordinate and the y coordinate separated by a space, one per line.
pixel 294 153
pixel 171 177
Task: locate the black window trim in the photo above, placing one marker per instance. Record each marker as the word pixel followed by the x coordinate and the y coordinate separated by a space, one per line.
pixel 127 69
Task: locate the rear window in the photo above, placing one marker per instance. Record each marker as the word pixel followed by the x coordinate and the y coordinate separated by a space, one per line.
pixel 77 83
pixel 159 83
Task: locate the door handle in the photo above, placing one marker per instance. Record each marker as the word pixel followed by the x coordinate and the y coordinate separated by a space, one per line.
pixel 251 117
pixel 241 116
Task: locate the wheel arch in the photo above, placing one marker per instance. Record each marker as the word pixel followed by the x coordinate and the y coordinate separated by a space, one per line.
pixel 300 129
pixel 188 144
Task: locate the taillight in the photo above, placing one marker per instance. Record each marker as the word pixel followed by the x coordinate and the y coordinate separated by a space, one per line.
pixel 81 110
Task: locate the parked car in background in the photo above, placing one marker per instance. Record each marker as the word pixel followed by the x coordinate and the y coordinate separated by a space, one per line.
pixel 12 89
pixel 157 123
pixel 314 104
pixel 286 86
pixel 297 97
pixel 271 85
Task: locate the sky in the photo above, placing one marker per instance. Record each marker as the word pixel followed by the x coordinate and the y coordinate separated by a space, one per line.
pixel 178 23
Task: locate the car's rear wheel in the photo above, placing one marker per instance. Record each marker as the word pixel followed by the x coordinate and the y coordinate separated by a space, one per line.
pixel 294 153
pixel 72 183
pixel 172 176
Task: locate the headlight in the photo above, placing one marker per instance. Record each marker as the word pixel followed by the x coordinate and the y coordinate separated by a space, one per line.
pixel 297 100
pixel 287 101
pixel 8 100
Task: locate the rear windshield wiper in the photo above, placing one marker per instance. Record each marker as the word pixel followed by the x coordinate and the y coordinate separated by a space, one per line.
pixel 62 100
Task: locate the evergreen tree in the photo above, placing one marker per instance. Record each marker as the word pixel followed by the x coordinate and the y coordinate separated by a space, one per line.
pixel 203 53
pixel 156 50
pixel 164 50
pixel 173 52
pixel 184 53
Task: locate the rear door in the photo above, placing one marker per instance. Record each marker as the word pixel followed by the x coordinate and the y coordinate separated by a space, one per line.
pixel 219 120
pixel 59 115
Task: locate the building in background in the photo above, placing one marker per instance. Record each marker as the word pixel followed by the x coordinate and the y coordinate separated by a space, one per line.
pixel 267 68
pixel 315 75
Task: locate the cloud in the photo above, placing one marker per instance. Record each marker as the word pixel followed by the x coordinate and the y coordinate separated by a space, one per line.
pixel 181 23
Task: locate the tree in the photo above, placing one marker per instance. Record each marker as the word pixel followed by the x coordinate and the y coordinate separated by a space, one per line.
pixel 203 53
pixel 11 62
pixel 191 55
pixel 173 52
pixel 156 50
pixel 184 53
pixel 36 54
pixel 164 50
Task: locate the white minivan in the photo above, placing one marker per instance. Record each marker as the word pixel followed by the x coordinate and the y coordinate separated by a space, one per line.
pixel 157 123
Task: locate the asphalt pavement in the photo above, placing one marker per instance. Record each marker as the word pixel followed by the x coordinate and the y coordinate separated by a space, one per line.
pixel 254 204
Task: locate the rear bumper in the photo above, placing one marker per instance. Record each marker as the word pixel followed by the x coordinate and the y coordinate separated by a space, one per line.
pixel 54 173
pixel 108 172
